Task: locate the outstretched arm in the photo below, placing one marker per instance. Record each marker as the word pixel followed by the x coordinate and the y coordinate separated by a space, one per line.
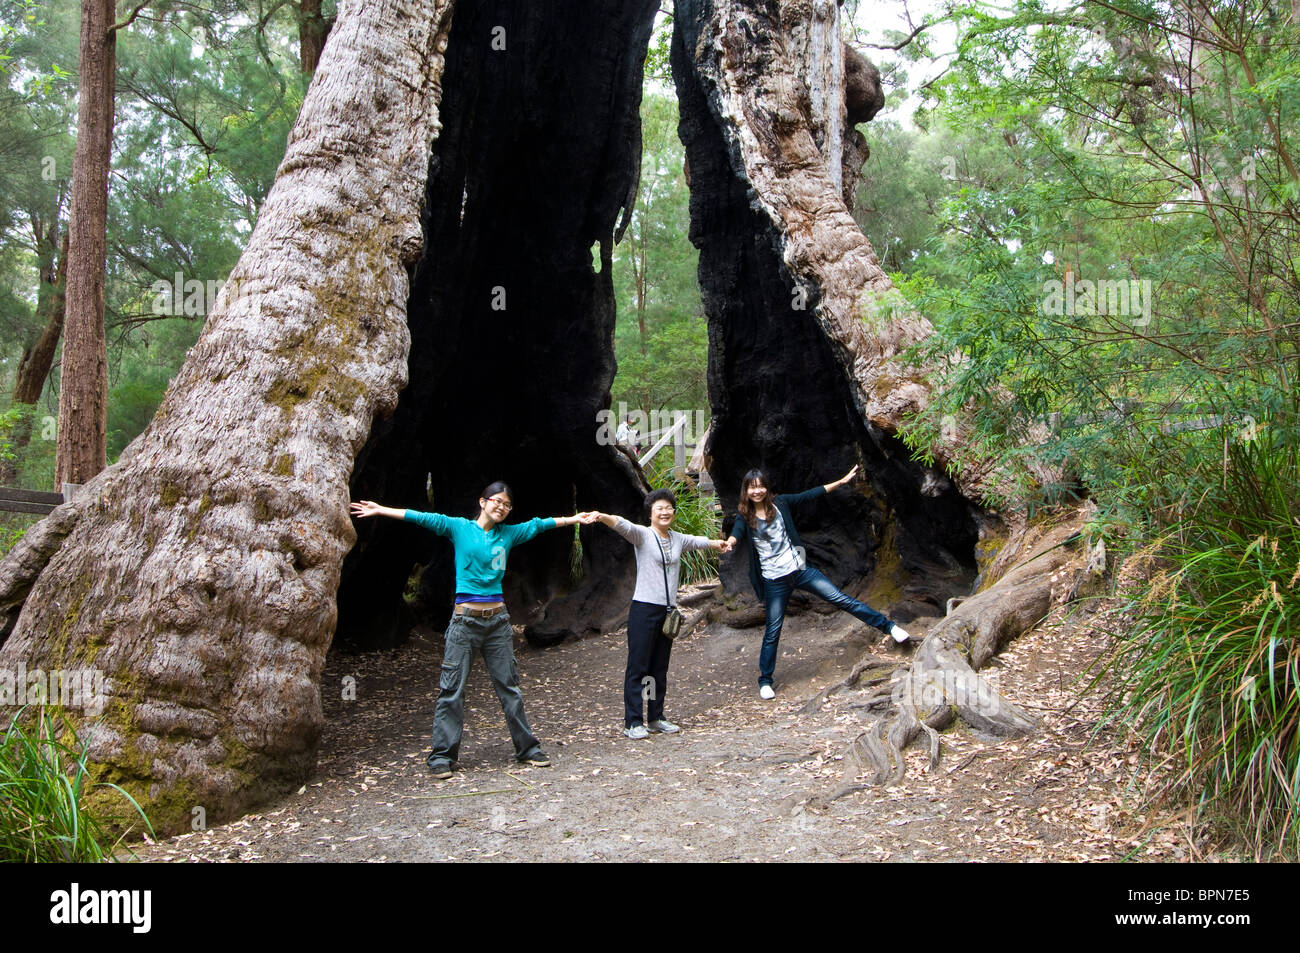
pixel 570 520
pixel 367 508
pixel 434 522
pixel 739 531
pixel 703 542
pixel 630 531
pixel 842 480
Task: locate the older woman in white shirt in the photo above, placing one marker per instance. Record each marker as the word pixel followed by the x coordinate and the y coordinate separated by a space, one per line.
pixel 658 557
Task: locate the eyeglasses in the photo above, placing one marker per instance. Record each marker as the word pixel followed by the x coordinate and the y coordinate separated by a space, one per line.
pixel 506 503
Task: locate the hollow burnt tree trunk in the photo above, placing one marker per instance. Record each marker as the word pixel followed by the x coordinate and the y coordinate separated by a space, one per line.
pixel 805 328
pixel 199 572
pixel 512 321
pixel 799 382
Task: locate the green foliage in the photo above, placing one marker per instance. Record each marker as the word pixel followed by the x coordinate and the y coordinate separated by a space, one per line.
pixel 43 786
pixel 1070 151
pixel 144 371
pixel 205 101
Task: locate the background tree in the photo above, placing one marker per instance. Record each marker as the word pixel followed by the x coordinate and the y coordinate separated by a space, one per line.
pixel 204 103
pixel 661 340
pixel 1143 148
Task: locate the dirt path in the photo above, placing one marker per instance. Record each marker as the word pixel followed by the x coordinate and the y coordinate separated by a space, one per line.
pixel 733 786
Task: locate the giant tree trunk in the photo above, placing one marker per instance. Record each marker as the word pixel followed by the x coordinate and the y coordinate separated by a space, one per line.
pixel 804 325
pixel 83 391
pixel 805 329
pixel 199 572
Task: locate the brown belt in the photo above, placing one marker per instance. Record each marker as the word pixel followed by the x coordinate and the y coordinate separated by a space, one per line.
pixel 466 608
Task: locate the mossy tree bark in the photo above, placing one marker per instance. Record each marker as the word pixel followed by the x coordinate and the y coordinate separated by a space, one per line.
pixel 199 572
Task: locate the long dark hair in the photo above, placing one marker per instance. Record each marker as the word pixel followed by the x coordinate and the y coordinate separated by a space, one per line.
pixel 746 506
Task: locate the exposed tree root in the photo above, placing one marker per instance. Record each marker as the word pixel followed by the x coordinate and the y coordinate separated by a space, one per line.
pixel 863 666
pixel 943 682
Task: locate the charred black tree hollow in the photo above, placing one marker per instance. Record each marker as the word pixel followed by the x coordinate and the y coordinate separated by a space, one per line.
pixel 512 321
pixel 780 399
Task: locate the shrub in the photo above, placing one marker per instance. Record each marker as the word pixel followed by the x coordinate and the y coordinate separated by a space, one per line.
pixel 1211 667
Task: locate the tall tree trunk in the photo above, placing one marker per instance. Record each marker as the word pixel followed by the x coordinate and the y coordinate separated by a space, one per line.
pixel 199 572
pixel 313 29
pixel 83 389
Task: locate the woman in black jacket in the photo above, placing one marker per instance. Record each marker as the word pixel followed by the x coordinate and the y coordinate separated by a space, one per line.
pixel 777 565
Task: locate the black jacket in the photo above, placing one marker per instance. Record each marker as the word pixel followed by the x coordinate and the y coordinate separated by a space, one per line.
pixel 740 530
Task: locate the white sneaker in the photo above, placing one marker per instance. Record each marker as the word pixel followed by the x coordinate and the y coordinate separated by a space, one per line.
pixel 636 732
pixel 899 634
pixel 665 726
pixel 765 692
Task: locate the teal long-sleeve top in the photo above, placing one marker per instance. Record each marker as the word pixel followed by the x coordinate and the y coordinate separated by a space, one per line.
pixel 480 554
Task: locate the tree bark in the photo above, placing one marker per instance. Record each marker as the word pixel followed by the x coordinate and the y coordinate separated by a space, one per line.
pixel 313 30
pixel 804 326
pixel 83 390
pixel 199 572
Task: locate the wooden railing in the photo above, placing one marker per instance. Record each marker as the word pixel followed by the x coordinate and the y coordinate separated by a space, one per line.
pixel 13 500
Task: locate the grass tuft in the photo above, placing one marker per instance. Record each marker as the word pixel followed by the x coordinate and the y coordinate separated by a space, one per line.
pixel 43 784
pixel 1210 670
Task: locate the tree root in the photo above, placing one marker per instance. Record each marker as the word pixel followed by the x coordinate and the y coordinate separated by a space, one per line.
pixel 943 682
pixel 864 665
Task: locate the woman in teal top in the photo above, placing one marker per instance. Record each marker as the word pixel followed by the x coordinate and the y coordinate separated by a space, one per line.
pixel 480 620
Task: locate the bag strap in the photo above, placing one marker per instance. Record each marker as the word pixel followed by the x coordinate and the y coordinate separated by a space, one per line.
pixel 664 556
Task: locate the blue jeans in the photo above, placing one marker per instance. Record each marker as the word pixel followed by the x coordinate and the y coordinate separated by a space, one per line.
pixel 776 594
pixel 494 639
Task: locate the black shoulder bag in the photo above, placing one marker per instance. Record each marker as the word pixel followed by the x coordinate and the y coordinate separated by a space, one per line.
pixel 673 621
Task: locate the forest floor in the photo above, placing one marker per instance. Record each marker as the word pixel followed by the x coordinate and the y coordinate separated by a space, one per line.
pixel 734 785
